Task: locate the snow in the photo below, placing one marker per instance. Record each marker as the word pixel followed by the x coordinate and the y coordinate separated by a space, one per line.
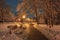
pixel 51 33
pixel 4 32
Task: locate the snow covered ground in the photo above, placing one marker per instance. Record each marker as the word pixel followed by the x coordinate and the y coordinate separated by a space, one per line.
pixel 4 32
pixel 51 33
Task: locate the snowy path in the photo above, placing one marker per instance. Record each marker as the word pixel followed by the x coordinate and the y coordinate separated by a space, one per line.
pixel 52 34
pixel 4 32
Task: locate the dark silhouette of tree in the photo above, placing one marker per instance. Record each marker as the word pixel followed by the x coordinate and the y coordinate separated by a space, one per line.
pixel 50 9
pixel 8 15
pixel 5 12
pixel 2 3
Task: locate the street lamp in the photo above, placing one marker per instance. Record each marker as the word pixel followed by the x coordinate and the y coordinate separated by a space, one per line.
pixel 24 17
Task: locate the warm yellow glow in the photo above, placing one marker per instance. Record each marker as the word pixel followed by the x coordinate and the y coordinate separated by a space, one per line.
pixel 24 16
pixel 35 24
pixel 26 24
pixel 28 19
pixel 18 24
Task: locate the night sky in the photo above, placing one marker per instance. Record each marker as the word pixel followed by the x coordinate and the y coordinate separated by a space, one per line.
pixel 13 4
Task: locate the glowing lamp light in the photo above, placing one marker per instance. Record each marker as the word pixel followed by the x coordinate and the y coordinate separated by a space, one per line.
pixel 18 25
pixel 24 16
pixel 26 24
pixel 28 19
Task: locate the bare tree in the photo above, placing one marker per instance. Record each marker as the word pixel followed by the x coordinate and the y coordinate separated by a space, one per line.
pixel 50 9
pixel 2 3
pixel 5 12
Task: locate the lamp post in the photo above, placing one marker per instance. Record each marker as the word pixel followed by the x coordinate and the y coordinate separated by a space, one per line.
pixel 23 18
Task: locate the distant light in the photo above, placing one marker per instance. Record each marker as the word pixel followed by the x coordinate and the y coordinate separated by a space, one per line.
pixel 24 16
pixel 28 19
pixel 18 25
pixel 26 24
